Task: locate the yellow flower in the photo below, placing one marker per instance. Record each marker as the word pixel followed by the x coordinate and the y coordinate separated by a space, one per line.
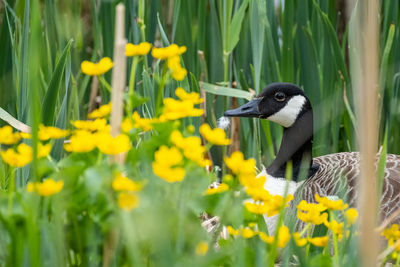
pixel 392 233
pixel 232 231
pixel 190 129
pixel 123 183
pixel 49 132
pixel 110 145
pixel 351 215
pixel 96 125
pixel 7 136
pixel 165 159
pixel 18 158
pixel 191 147
pixel 216 136
pixel 283 237
pixel 94 69
pixel 238 164
pixel 168 52
pixel 270 206
pixel 331 204
pixel 47 188
pixel 320 241
pixel 137 50
pixel 248 232
pixel 175 109
pixel 337 228
pixel 178 73
pixel 126 125
pixel 101 112
pixel 143 123
pixel 311 212
pixel 25 135
pixel 300 241
pixel 128 201
pixel 192 97
pixel 43 150
pixel 81 141
pixel 201 248
pixel 221 188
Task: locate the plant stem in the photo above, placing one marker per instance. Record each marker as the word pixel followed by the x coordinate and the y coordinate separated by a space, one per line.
pixel 104 83
pixel 161 89
pixel 132 83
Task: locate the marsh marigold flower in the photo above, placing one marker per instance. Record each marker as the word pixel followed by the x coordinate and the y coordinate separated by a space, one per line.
pixel 300 241
pixel 47 188
pixel 101 112
pixel 128 201
pixel 320 241
pixel 81 141
pixel 49 132
pixel 214 136
pixel 110 145
pixel 18 158
pixel 123 183
pixel 331 204
pixel 192 97
pixel 283 237
pixel 335 227
pixel 219 189
pixel 175 109
pixel 145 124
pixel 392 233
pixel 137 50
pixel 311 212
pixel 232 231
pixel 168 52
pixel 351 215
pixel 95 69
pixel 201 248
pixel 247 232
pixel 164 165
pixel 95 125
pixel 7 137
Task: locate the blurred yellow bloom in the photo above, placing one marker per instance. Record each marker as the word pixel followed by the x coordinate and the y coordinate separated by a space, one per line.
pixel 248 232
pixel 311 212
pixel 201 248
pixel 320 241
pixel 143 123
pixel 221 188
pixel 179 74
pixel 165 160
pixel 392 233
pixel 123 183
pixel 232 231
pixel 43 150
pixel 331 204
pixel 46 188
pixel 137 50
pixel 190 129
pixel 167 52
pixel 191 147
pixel 335 227
pixel 283 237
pixel 81 141
pixel 238 164
pixel 176 109
pixel 128 201
pixel 351 215
pixel 94 69
pixel 101 112
pixel 214 136
pixel 300 241
pixel 18 158
pixel 110 145
pixel 7 137
pixel 25 135
pixel 174 64
pixel 126 125
pixel 192 97
pixel 49 132
pixel 96 125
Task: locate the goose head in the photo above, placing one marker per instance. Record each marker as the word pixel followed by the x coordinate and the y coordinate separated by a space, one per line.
pixel 287 105
pixel 282 103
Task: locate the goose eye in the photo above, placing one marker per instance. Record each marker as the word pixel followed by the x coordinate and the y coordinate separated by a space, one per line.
pixel 279 96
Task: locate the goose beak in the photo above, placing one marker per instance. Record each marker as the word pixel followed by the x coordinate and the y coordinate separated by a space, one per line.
pixel 250 109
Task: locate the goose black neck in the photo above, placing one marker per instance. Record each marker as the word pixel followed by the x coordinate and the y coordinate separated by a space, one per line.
pixel 296 146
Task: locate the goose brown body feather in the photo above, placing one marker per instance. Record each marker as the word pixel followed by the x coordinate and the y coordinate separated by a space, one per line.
pixel 338 173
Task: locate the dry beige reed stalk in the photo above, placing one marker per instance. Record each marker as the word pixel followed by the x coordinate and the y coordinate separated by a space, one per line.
pixel 118 76
pixel 94 89
pixel 364 36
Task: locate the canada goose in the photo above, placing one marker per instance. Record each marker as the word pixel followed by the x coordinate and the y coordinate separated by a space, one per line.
pixel 287 105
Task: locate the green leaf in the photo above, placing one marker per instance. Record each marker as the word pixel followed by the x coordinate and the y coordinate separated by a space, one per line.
pixel 226 91
pixel 236 25
pixel 50 99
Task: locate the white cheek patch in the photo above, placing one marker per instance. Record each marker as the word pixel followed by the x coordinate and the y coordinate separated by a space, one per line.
pixel 287 115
